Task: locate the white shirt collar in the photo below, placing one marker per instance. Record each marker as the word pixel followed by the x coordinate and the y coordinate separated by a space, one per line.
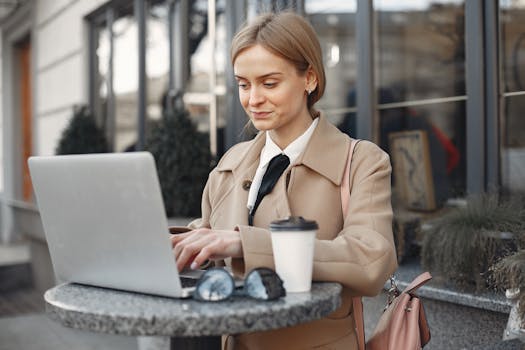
pixel 293 150
pixel 270 150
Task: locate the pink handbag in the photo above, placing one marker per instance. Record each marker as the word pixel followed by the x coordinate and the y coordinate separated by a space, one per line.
pixel 403 324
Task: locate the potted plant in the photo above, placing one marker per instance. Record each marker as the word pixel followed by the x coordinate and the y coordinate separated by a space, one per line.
pixel 182 155
pixel 509 274
pixel 464 243
pixel 82 134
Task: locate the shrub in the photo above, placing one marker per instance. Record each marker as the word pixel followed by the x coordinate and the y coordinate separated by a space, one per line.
pixel 464 243
pixel 183 160
pixel 509 273
pixel 82 134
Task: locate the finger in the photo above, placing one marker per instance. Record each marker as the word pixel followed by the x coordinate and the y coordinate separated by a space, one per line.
pixel 179 243
pixel 190 250
pixel 176 238
pixel 212 251
pixel 185 257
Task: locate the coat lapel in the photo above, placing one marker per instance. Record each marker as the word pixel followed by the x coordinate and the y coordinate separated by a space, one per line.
pixel 325 154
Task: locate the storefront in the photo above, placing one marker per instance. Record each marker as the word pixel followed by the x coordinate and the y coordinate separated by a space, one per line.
pixel 453 69
pixel 450 68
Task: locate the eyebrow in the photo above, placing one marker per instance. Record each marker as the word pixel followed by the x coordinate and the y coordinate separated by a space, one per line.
pixel 260 77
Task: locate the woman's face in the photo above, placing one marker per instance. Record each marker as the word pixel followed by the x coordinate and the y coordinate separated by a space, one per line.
pixel 272 92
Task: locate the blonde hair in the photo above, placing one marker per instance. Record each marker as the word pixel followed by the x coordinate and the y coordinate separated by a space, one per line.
pixel 290 36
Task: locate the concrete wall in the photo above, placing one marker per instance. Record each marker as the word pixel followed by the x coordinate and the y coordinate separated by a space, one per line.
pixel 1 123
pixel 61 69
pixel 59 44
pixel 61 76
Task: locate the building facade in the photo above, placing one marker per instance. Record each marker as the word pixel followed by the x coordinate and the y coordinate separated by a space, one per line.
pixel 439 84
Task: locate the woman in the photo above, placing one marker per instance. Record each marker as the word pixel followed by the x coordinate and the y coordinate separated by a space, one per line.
pixel 277 63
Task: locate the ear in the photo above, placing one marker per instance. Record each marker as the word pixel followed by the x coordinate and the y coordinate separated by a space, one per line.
pixel 310 80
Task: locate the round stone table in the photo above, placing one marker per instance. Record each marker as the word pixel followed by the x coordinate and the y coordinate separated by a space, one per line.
pixel 190 324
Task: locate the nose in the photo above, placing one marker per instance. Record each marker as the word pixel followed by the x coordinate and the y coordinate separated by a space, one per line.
pixel 256 96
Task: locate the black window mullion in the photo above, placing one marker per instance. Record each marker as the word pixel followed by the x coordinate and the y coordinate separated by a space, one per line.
pixel 110 121
pixel 475 86
pixel 140 9
pixel 235 116
pixel 365 100
pixel 492 69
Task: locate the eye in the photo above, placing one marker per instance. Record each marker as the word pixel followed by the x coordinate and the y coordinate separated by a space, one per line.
pixel 243 86
pixel 270 84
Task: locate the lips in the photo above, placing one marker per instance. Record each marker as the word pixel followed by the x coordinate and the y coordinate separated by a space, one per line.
pixel 260 115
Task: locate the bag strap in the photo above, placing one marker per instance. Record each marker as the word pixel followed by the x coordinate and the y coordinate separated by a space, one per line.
pixel 418 282
pixel 357 302
pixel 359 321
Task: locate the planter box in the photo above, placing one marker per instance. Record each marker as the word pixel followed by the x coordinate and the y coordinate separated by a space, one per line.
pixel 514 324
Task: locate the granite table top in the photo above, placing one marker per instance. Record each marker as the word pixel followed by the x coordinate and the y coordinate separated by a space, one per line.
pixel 120 312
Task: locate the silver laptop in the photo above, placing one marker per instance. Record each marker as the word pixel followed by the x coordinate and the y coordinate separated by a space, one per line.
pixel 105 223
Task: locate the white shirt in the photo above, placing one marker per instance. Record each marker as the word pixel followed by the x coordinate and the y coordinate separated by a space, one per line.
pixel 270 150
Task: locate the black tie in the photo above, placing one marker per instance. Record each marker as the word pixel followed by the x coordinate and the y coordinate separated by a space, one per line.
pixel 274 171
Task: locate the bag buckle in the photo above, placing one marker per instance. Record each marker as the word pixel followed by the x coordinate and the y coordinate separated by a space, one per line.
pixel 393 292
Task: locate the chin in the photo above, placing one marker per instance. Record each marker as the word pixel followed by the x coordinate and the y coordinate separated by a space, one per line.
pixel 263 125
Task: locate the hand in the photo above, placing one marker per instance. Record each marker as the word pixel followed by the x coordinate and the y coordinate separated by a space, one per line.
pixel 197 246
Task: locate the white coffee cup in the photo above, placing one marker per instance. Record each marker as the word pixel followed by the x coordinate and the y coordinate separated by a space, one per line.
pixel 293 241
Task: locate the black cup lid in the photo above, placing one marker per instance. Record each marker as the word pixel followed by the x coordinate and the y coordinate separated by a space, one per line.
pixel 293 223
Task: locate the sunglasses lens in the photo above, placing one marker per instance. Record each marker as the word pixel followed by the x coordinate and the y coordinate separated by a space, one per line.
pixel 264 284
pixel 214 285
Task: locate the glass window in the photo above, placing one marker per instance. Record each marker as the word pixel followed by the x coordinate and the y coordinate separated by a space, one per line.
pixel 513 45
pixel 438 122
pixel 420 79
pixel 420 49
pixel 157 59
pixel 334 22
pixel 100 76
pixel 116 72
pixel 203 56
pixel 125 80
pixel 512 15
pixel 121 120
pixel 206 57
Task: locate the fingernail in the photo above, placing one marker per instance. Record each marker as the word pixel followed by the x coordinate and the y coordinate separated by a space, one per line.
pixel 194 265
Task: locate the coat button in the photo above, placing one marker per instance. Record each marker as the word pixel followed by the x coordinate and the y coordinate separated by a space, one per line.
pixel 246 185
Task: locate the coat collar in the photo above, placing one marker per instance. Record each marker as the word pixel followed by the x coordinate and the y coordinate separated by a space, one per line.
pixel 325 153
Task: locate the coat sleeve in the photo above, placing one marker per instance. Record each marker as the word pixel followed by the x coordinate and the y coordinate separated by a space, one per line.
pixel 204 220
pixel 362 256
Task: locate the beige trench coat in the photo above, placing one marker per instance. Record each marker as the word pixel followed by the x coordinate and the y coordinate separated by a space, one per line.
pixel 355 249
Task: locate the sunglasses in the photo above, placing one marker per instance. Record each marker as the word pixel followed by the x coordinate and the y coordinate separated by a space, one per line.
pixel 217 284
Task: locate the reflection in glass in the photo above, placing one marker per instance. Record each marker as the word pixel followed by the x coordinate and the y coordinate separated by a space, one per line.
pixel 125 81
pixel 334 22
pixel 122 131
pixel 421 56
pixel 513 145
pixel 513 45
pixel 157 59
pixel 512 16
pixel 101 73
pixel 198 96
pixel 420 49
pixel 447 151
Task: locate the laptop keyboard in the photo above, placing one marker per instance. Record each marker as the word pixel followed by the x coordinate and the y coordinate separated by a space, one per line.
pixel 188 282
